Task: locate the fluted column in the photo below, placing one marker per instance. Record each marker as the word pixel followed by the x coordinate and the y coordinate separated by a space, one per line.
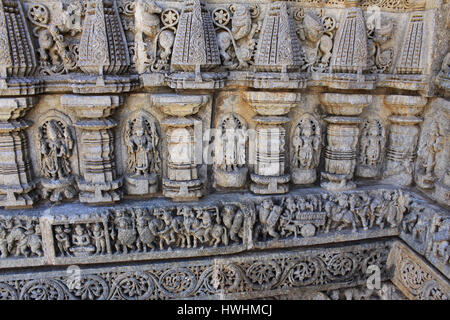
pixel 182 182
pixel 403 137
pixel 343 134
pixel 16 182
pixel 269 175
pixel 99 182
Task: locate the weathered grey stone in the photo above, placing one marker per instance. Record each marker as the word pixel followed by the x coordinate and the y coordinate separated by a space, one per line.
pixel 260 149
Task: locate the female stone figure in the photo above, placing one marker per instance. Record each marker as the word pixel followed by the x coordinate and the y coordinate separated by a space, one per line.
pixel 306 143
pixel 142 140
pixel 230 152
pixel 56 149
pixel 431 144
pixel 373 138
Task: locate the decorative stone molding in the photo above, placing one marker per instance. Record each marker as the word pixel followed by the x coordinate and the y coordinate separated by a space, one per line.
pixel 257 275
pixel 403 137
pixel 182 181
pixel 215 149
pixel 269 176
pixel 16 179
pixel 18 55
pixel 415 278
pixel 99 182
pixel 343 134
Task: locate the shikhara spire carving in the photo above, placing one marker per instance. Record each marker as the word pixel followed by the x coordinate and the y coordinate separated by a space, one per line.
pixel 269 148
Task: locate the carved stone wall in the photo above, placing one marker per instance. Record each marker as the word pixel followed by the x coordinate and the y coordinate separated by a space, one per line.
pixel 135 130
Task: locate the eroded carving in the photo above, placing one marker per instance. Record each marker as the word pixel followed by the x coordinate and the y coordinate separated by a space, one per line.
pixel 306 143
pixel 144 162
pixel 371 148
pixel 231 151
pixel 56 148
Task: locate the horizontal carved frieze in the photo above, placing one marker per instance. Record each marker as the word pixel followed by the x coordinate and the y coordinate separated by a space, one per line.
pixel 252 275
pixel 153 39
pixel 215 227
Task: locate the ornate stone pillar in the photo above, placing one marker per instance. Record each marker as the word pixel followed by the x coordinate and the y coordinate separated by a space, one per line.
pixel 343 133
pixel 99 182
pixel 16 182
pixel 182 180
pixel 269 175
pixel 403 138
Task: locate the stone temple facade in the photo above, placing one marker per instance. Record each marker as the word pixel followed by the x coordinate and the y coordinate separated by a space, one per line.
pixel 205 149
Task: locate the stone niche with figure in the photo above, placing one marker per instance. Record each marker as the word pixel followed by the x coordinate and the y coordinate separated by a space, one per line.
pixel 274 149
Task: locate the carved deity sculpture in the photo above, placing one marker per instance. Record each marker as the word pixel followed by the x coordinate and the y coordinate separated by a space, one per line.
pixel 431 144
pixel 230 156
pixel 55 54
pixel 380 58
pixel 56 149
pixel 147 25
pixel 317 36
pixel 81 242
pixel 237 45
pixel 306 144
pixel 371 148
pixel 56 146
pixel 142 141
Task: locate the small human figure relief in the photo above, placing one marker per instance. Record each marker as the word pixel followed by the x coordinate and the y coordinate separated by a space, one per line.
pixel 56 148
pixel 371 148
pixel 57 54
pixel 317 34
pixel 230 152
pixel 440 238
pixel 431 143
pixel 147 27
pixel 123 231
pixel 144 162
pixel 20 237
pixel 81 238
pixel 144 230
pixel 237 46
pixel 81 242
pixel 306 143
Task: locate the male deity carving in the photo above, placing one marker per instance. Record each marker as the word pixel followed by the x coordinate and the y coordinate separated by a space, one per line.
pixel 81 242
pixel 371 148
pixel 306 143
pixel 431 144
pixel 142 141
pixel 147 25
pixel 56 147
pixel 231 152
pixel 317 36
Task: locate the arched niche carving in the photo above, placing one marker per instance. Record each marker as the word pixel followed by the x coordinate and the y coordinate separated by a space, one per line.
pixel 58 156
pixel 306 145
pixel 230 151
pixel 142 140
